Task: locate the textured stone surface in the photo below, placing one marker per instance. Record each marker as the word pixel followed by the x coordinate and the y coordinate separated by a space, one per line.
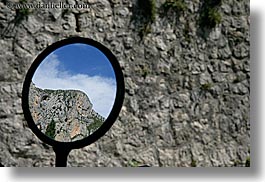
pixel 64 115
pixel 187 87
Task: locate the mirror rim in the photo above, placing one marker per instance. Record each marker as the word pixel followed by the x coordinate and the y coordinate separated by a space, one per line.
pixel 109 121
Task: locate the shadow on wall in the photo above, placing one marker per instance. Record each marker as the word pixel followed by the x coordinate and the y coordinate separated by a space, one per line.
pixel 144 13
pixel 209 17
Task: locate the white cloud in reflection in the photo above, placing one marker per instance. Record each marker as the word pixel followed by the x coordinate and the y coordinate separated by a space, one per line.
pixel 100 90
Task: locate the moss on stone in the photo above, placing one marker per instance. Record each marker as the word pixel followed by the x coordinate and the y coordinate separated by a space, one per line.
pixel 206 86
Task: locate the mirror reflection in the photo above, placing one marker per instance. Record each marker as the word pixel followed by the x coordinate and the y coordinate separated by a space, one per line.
pixel 72 92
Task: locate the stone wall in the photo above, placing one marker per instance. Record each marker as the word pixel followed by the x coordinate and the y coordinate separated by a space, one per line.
pixel 187 85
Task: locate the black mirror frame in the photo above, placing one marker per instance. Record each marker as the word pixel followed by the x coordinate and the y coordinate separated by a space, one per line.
pixel 110 119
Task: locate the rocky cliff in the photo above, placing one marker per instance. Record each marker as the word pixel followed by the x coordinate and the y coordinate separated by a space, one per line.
pixel 187 81
pixel 64 115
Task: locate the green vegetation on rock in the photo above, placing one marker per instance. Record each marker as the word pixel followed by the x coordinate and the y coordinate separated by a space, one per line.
pixel 22 13
pixel 176 6
pixel 145 71
pixel 247 163
pixel 94 126
pixel 210 16
pixel 50 131
pixel 186 32
pixel 213 17
pixel 146 29
pixel 133 163
pixel 193 163
pixel 148 8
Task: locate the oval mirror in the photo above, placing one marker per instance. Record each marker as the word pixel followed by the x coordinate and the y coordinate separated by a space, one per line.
pixel 73 93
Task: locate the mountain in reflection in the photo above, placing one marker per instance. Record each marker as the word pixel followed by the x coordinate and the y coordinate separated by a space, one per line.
pixel 63 115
